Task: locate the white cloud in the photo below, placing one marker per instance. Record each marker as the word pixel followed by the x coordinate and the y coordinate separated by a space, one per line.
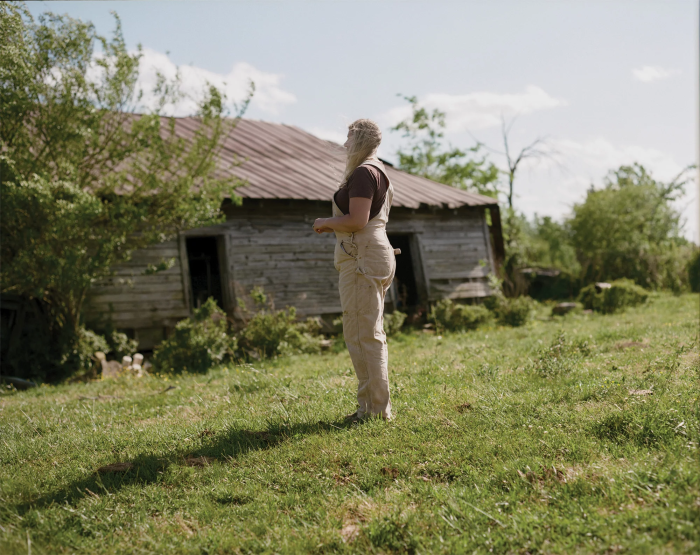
pixel 480 110
pixel 647 74
pixel 336 135
pixel 269 96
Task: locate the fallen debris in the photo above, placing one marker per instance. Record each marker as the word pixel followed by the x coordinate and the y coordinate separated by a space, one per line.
pixel 19 383
pixel 464 407
pixel 169 388
pixel 129 366
pixel 96 398
pixel 564 308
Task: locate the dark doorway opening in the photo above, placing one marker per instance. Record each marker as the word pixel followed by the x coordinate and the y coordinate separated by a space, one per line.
pixel 405 280
pixel 205 270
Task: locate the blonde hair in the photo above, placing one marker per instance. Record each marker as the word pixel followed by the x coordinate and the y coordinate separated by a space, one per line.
pixel 367 136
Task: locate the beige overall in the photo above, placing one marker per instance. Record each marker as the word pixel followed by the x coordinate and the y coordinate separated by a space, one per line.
pixel 366 263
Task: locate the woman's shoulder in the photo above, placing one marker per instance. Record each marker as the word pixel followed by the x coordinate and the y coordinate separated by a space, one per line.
pixel 365 172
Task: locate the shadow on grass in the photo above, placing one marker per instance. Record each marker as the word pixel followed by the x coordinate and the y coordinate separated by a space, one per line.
pixel 233 442
pixel 146 468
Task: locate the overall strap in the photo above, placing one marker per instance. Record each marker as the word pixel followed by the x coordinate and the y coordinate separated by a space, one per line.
pixel 389 189
pixel 377 164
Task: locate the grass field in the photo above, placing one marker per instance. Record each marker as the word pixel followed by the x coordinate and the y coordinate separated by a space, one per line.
pixel 506 440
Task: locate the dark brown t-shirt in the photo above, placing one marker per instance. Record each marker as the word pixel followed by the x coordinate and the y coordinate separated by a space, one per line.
pixel 365 182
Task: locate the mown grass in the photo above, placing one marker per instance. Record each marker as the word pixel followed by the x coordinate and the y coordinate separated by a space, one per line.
pixel 506 440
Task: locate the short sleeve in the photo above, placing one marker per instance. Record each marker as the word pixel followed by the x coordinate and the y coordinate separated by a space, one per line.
pixel 362 183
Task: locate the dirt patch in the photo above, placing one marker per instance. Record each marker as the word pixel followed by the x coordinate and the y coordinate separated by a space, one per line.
pixel 344 475
pixel 391 472
pixel 199 461
pixel 115 467
pixel 630 345
pixel 547 474
pixel 349 532
pixel 464 407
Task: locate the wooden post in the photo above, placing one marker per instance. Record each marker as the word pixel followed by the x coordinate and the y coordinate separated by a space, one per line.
pixel 185 268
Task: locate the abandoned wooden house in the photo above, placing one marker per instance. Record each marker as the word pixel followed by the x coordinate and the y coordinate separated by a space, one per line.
pixel 447 247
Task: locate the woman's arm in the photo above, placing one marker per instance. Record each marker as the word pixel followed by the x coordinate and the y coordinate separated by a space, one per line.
pixel 356 218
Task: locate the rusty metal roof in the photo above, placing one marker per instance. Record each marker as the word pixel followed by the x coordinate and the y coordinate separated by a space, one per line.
pixel 285 162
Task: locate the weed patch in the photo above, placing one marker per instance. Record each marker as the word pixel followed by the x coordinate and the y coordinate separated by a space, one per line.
pixel 561 356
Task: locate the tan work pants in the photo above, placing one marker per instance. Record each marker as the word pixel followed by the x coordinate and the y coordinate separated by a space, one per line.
pixel 366 264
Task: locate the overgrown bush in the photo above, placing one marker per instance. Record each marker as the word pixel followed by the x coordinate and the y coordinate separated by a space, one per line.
pixel 621 294
pixel 198 343
pixel 510 312
pixel 451 316
pixel 272 333
pixel 394 322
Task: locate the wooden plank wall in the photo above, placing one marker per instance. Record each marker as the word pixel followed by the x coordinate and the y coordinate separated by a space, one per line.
pixel 271 244
pixel 454 247
pixel 133 300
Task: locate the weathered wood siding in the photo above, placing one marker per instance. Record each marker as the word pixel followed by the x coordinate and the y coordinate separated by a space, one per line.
pixel 133 300
pixel 454 247
pixel 271 244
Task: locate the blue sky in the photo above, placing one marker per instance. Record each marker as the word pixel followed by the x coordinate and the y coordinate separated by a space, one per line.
pixel 606 82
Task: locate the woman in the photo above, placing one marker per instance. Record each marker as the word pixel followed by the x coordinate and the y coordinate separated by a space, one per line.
pixel 365 261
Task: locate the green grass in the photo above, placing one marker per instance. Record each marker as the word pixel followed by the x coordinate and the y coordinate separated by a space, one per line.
pixel 506 440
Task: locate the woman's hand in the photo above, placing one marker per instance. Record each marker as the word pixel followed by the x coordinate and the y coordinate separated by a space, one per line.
pixel 320 227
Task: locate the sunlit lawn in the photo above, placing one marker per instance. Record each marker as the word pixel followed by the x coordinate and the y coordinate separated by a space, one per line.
pixel 505 440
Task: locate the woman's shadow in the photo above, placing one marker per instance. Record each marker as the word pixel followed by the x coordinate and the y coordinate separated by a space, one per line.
pixel 148 468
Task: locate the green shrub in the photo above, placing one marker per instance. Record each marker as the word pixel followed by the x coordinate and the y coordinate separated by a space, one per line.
pixel 694 272
pixel 119 345
pixel 80 357
pixel 622 294
pixel 448 315
pixel 394 322
pixel 277 332
pixel 468 317
pixel 198 343
pixel 510 312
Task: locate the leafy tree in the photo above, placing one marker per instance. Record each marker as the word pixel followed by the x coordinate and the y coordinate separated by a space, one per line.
pixel 87 175
pixel 548 245
pixel 428 157
pixel 630 229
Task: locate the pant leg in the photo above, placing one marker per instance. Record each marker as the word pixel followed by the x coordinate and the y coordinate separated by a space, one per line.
pixel 363 287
